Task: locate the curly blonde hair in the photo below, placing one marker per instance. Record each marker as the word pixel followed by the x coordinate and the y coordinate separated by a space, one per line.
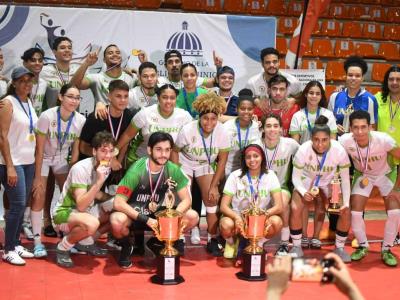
pixel 210 102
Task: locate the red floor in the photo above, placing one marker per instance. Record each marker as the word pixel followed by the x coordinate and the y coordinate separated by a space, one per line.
pixel 206 278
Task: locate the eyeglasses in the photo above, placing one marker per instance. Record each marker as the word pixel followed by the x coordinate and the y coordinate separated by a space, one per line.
pixel 76 98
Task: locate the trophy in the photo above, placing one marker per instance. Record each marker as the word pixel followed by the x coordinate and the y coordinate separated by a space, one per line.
pixel 169 229
pixel 334 202
pixel 253 266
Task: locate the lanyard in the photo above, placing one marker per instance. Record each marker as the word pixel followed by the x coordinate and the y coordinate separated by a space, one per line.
pixel 239 135
pixel 208 153
pixel 254 193
pixel 364 163
pixel 393 114
pixel 115 136
pixel 321 165
pixel 193 114
pixel 146 98
pixel 33 96
pixel 28 114
pixel 154 190
pixel 227 99
pixel 271 162
pixel 61 76
pixel 62 140
pixel 308 121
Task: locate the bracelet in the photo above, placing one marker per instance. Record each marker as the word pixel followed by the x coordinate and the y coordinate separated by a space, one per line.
pixel 142 218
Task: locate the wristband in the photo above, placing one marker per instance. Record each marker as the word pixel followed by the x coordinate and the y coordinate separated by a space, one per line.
pixel 142 218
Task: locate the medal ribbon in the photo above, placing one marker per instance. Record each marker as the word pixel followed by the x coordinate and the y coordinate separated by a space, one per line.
pixel 115 136
pixel 60 75
pixel 61 141
pixel 208 154
pixel 308 121
pixel 239 135
pixel 271 162
pixel 193 114
pixel 393 114
pixel 28 114
pixel 146 98
pixel 364 164
pixel 254 193
pixel 154 190
pixel 321 165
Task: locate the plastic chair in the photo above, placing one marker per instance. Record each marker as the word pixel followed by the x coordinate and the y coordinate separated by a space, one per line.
pixel 373 89
pixel 377 14
pixel 281 45
pixel 330 28
pixel 352 29
pixel 338 11
pixel 147 3
pixel 196 5
pixel 316 30
pixel 234 6
pixel 392 32
pixel 372 31
pixel 322 48
pixel 311 64
pixel 356 11
pixel 295 8
pixel 344 48
pixel 329 89
pixel 365 50
pixel 378 71
pixel 213 6
pixel 393 15
pixel 307 51
pixel 335 71
pixel 389 51
pixel 276 8
pixel 287 25
pixel 256 7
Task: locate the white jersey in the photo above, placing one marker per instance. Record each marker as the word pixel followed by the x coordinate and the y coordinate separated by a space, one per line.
pixel 99 84
pixel 138 99
pixel 3 88
pixel 239 188
pixel 55 80
pixel 149 120
pixel 189 141
pixel 281 163
pixel 38 94
pixel 178 84
pixel 380 144
pixel 307 160
pixel 47 125
pixel 254 137
pixel 299 124
pixel 259 86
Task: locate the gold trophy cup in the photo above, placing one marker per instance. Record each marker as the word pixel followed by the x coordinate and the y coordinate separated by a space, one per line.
pixel 334 202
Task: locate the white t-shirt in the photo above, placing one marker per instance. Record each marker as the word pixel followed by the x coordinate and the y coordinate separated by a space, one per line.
pixel 299 124
pixel 149 120
pixel 190 143
pixel 99 84
pixel 259 86
pixel 138 99
pixel 239 188
pixel 254 137
pixel 55 80
pixel 38 94
pixel 178 85
pixel 47 125
pixel 380 144
pixel 287 148
pixel 307 160
pixel 3 88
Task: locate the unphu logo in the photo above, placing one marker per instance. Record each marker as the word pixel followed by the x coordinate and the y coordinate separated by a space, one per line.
pixel 186 42
pixel 12 19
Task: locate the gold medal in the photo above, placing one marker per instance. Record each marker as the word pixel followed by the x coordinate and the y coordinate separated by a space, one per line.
pixel 153 206
pixel 314 191
pixel 364 182
pixel 31 137
pixel 135 52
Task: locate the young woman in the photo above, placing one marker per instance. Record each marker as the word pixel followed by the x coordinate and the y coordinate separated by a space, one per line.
pixel 58 130
pixel 314 167
pixel 17 158
pixel 190 91
pixel 253 181
pixel 279 152
pixel 200 143
pixel 242 131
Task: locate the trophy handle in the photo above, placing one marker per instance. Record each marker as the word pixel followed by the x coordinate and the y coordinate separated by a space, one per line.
pixel 267 228
pixel 183 226
pixel 156 231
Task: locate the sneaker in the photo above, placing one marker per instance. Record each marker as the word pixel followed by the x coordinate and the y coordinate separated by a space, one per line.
pixel 39 251
pixel 396 240
pixel 296 252
pixel 354 243
pixel 23 252
pixel 195 235
pixel 282 250
pixel 13 258
pixel 315 244
pixel 388 258
pixel 359 254
pixel 92 249
pixel 124 260
pixel 180 246
pixel 214 247
pixel 49 231
pixel 342 254
pixel 231 250
pixel 113 243
pixel 155 245
pixel 63 259
pixel 138 250
pixel 27 229
pixel 305 242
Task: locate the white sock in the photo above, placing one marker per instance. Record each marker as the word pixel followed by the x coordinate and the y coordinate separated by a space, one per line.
pixel 296 239
pixel 358 227
pixel 285 234
pixel 37 222
pixel 229 240
pixel 27 214
pixel 87 241
pixel 64 245
pixel 37 240
pixel 210 236
pixel 391 228
pixel 340 241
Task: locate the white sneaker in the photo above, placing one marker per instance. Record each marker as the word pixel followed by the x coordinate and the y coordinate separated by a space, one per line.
pixel 26 227
pixel 195 236
pixel 24 253
pixel 13 258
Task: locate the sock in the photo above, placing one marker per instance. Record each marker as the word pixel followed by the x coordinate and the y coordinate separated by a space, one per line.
pixel 64 245
pixel 37 239
pixel 285 234
pixel 358 227
pixel 87 241
pixel 36 220
pixel 27 214
pixel 296 237
pixel 211 236
pixel 391 228
pixel 340 239
pixel 230 240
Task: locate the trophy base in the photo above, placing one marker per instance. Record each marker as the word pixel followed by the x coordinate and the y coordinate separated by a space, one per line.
pixel 167 271
pixel 253 267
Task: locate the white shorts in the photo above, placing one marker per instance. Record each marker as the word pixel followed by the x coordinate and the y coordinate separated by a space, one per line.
pixel 58 167
pixel 383 183
pixel 194 169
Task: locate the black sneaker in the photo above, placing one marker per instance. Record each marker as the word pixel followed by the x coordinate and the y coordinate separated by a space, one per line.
pixel 91 249
pixel 155 245
pixel 214 247
pixel 49 231
pixel 63 259
pixel 180 246
pixel 282 250
pixel 124 260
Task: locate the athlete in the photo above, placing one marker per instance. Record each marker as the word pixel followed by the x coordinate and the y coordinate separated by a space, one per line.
pixel 225 80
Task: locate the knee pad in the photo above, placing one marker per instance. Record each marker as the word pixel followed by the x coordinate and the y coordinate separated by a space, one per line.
pixel 212 209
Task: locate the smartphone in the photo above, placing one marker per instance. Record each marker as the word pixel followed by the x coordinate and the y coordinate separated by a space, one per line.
pixel 312 270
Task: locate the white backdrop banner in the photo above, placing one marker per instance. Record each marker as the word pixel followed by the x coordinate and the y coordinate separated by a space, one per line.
pixel 304 76
pixel 237 39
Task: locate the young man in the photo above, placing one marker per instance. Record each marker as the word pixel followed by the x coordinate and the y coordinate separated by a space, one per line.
pixel 99 82
pixel 76 213
pixel 369 151
pixel 225 80
pixel 353 97
pixel 144 95
pixel 141 192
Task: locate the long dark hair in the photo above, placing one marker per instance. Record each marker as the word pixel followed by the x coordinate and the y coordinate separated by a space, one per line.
pixel 385 83
pixel 303 97
pixel 321 124
pixel 245 168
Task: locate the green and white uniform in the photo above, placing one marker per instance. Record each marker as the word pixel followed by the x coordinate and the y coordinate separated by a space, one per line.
pixel 138 99
pixel 38 94
pixel 3 87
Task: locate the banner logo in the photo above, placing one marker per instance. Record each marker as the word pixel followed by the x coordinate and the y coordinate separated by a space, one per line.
pixel 186 42
pixel 12 19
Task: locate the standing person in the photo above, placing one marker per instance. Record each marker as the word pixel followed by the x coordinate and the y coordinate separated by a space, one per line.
pixel 279 153
pixel 99 82
pixel 76 213
pixel 17 157
pixel 142 191
pixel 370 152
pixel 353 97
pixel 200 143
pixel 3 81
pixel 314 166
pixel 253 181
pixel 58 129
pixel 225 80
